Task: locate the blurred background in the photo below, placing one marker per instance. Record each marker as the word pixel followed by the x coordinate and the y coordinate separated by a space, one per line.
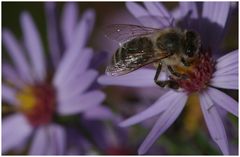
pixel 187 136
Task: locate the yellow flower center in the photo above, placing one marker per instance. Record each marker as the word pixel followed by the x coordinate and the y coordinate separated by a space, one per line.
pixel 27 99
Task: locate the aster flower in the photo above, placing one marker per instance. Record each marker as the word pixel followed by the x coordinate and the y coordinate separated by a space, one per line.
pixel 39 98
pixel 91 136
pixel 206 77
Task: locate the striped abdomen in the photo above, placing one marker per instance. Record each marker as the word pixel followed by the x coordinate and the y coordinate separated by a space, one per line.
pixel 136 51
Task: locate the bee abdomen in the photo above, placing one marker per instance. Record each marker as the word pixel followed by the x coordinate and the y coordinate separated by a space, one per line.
pixel 140 44
pixel 119 55
pixel 136 50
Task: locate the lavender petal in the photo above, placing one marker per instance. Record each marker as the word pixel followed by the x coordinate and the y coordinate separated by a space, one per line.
pixel 100 113
pixel 73 53
pixel 139 78
pixel 12 137
pixel 164 122
pixel 48 140
pixel 215 15
pixel 225 81
pixel 38 146
pixel 161 105
pixel 231 56
pixel 80 103
pixel 227 64
pixel 34 46
pixel 16 52
pixel 136 10
pixel 59 137
pixel 230 69
pixel 223 100
pixel 81 65
pixel 214 123
pixel 75 69
pixel 11 75
pixel 184 8
pixel 78 85
pixel 91 18
pixel 68 21
pixel 216 12
pixel 9 95
pixel 53 33
pixel 158 10
pixel 142 15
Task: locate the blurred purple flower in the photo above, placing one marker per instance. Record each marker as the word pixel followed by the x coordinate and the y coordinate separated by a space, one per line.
pixel 93 132
pixel 223 75
pixel 38 93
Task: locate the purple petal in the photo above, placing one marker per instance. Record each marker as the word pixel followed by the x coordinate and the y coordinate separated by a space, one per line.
pixel 223 100
pixel 76 67
pixel 16 52
pixel 232 57
pixel 136 10
pixel 48 140
pixel 228 64
pixel 225 81
pixel 77 85
pixel 142 15
pixel 15 129
pixel 139 78
pixel 39 146
pixel 34 46
pixel 100 113
pixel 214 15
pixel 81 64
pixel 90 14
pixel 216 12
pixel 156 9
pixel 164 122
pixel 69 21
pixel 184 8
pixel 53 33
pixel 11 75
pixel 225 78
pixel 9 95
pixel 80 103
pixel 162 104
pixel 227 70
pixel 214 123
pixel 74 51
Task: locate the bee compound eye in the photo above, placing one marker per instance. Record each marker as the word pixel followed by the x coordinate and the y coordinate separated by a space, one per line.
pixel 190 50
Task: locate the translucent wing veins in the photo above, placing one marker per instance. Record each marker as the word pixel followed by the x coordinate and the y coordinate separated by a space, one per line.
pixel 125 32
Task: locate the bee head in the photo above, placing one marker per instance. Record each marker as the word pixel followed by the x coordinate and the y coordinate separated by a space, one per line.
pixel 192 44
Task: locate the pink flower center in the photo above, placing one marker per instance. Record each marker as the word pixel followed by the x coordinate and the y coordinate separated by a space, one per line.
pixel 200 74
pixel 119 151
pixel 37 103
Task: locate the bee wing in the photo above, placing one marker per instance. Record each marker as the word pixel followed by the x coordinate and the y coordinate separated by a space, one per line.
pixel 133 62
pixel 125 32
pixel 158 22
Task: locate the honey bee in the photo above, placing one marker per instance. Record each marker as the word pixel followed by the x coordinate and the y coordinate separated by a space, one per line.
pixel 170 49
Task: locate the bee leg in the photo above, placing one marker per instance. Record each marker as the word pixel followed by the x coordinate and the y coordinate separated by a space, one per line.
pixel 159 68
pixel 175 73
pixel 173 84
pixel 168 83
